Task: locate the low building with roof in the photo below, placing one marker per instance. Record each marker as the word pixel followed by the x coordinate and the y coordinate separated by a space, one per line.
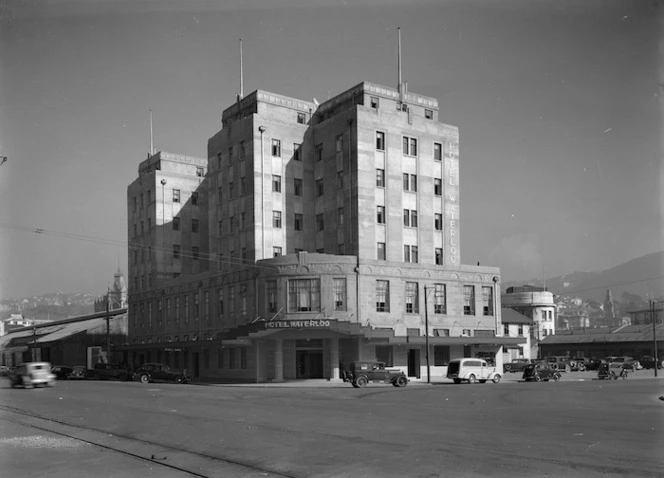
pixel 628 340
pixel 518 325
pixel 75 341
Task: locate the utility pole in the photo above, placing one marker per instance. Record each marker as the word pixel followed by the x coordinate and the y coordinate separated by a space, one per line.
pixel 653 315
pixel 426 334
pixel 108 327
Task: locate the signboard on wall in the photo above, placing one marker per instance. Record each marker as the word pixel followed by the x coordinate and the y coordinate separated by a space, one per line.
pixel 298 324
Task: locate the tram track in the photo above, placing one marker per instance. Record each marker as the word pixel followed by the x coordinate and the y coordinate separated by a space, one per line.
pixel 157 454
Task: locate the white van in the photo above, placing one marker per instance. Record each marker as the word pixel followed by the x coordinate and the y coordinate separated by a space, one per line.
pixel 471 370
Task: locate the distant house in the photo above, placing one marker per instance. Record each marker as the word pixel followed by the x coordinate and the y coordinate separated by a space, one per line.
pixel 536 303
pixel 516 325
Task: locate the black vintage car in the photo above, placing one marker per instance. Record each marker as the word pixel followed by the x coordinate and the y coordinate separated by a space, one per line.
pixel 540 371
pixel 362 372
pixel 517 365
pixel 159 372
pixel 61 372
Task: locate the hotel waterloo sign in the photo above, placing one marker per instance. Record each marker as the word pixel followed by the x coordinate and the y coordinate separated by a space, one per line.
pixel 297 324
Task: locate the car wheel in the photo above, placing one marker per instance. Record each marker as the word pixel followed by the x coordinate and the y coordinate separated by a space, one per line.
pixel 537 377
pixel 145 378
pixel 361 382
pixel 401 381
pixel 457 381
pixel 354 385
pixel 472 378
pixel 496 378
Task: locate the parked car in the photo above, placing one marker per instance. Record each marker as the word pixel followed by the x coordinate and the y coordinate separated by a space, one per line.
pixel 360 373
pixel 159 372
pixel 578 364
pixel 648 361
pixel 558 362
pixel 32 374
pixel 4 370
pixel 594 364
pixel 61 372
pixel 109 371
pixel 540 371
pixel 79 372
pixel 471 370
pixel 516 365
pixel 628 363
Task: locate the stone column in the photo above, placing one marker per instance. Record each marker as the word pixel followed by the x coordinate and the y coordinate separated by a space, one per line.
pixel 279 360
pixel 334 359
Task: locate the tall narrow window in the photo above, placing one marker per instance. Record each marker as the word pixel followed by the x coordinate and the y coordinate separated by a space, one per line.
pixel 380 214
pixel 319 187
pixel 380 178
pixel 412 298
pixel 297 151
pixel 320 222
pixel 276 219
pixel 243 299
pixel 380 141
pixel 382 296
pixel 276 251
pixel 409 146
pixel 438 222
pixel 297 187
pixel 276 183
pixel 339 287
pixel 380 251
pixel 341 216
pixel 298 222
pixel 468 300
pixel 176 251
pixel 194 198
pixel 176 195
pixel 271 295
pixel 301 118
pixel 276 147
pixel 439 256
pixel 176 223
pixel 487 301
pixel 194 225
pixel 440 299
pixel 318 152
pixel 406 253
pixel 438 187
pixel 437 151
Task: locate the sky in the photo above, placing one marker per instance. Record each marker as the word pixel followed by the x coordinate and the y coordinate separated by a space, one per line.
pixel 558 104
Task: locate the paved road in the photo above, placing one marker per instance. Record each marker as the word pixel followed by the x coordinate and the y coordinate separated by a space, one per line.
pixel 570 428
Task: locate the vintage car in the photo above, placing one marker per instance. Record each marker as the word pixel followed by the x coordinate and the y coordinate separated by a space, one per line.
pixel 32 374
pixel 362 372
pixel 110 371
pixel 159 372
pixel 471 370
pixel 78 372
pixel 540 371
pixel 648 361
pixel 61 372
pixel 516 365
pixel 559 362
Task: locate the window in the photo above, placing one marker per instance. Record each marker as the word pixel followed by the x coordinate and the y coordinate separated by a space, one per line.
pixel 441 332
pixel 243 151
pixel 230 154
pixel 340 179
pixel 219 160
pixel 380 251
pixel 142 203
pixel 520 331
pixel 441 355
pixel 276 183
pixel 414 254
pixel 428 114
pixel 318 152
pixel 276 251
pixel 320 222
pixel 176 251
pixel 339 289
pixel 406 253
pixel 134 203
pixel 341 216
pixel 339 143
pixel 380 178
pixel 384 354
pixel 506 330
pixel 196 307
pixel 438 222
pixel 195 251
pixel 220 191
pixel 380 214
pixel 276 147
pixel 409 182
pixel 194 225
pixel 468 300
pixel 231 358
pixel 303 295
pixel 297 151
pixel 301 118
pixel 380 141
pixel 487 300
pixel 243 299
pixel 271 295
pixel 231 222
pixel 200 172
pixel 409 146
pixel 373 102
pixel 142 227
pixel 319 187
pixel 439 256
pixel 243 220
pixel 438 187
pixel 194 198
pixel 409 218
pixel 231 189
pixel 231 299
pixel 243 186
pixel 276 219
pixel 437 151
pixel 186 308
pixel 382 296
pixel 440 299
pixel 412 298
pixel 176 195
pixel 298 222
pixel 297 187
pixel 467 333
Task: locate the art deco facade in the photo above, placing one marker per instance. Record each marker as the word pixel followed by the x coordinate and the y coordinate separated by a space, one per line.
pixel 332 235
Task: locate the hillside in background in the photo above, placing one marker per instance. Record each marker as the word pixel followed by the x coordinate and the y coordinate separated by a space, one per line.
pixel 643 276
pixel 55 306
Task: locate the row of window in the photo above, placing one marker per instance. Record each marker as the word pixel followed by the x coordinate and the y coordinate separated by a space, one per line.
pixel 374 102
pixel 409 146
pixel 409 182
pixel 176 195
pixel 410 253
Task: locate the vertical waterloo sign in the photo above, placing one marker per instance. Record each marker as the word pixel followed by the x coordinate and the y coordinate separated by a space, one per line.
pixel 451 175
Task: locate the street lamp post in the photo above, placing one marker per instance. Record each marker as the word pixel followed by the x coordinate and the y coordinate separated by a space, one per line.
pixel 163 228
pixel 262 130
pixel 653 316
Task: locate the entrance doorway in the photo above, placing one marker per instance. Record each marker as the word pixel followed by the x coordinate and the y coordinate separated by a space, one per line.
pixel 414 363
pixel 197 364
pixel 309 364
